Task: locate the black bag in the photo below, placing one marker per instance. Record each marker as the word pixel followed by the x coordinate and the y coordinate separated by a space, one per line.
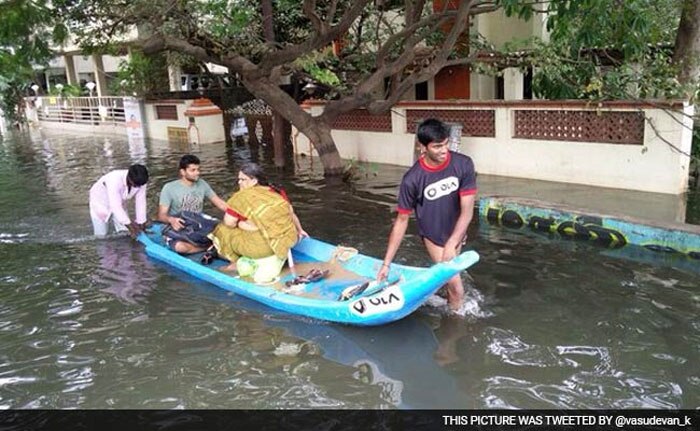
pixel 196 228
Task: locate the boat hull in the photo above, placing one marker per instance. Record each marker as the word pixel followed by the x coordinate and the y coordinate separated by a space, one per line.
pixel 406 290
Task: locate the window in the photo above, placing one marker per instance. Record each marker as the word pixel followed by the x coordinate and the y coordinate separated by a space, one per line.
pixel 500 88
pixel 527 84
pixel 166 112
pixel 422 90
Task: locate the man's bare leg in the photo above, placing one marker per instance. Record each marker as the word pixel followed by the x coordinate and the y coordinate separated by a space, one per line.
pixel 183 247
pixel 455 289
pixel 449 333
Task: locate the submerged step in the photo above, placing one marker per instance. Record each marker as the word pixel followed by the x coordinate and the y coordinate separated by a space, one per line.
pixel 610 231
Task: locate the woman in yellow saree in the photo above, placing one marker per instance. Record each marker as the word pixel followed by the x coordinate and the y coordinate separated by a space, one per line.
pixel 259 223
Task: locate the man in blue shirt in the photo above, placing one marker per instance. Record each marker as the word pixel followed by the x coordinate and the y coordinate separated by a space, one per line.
pixel 441 188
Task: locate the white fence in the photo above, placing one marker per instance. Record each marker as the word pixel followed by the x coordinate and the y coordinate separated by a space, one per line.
pixel 80 110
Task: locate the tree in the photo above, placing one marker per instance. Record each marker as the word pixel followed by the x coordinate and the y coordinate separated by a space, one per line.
pixel 686 56
pixel 598 48
pixel 602 49
pixel 140 75
pixel 378 47
pixel 278 125
pixel 27 29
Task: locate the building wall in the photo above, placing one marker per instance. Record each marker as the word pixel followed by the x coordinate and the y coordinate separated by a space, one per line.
pixel 650 165
pixel 197 121
pixel 452 83
pixel 158 128
pixel 483 87
pixel 653 166
pixel 500 29
pixel 85 65
pixel 677 243
pixel 84 68
pixel 202 129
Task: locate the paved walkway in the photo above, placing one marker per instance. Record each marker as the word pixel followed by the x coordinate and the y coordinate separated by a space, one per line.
pixel 657 207
pixel 650 206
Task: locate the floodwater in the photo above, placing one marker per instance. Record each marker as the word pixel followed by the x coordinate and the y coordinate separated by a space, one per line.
pixel 88 323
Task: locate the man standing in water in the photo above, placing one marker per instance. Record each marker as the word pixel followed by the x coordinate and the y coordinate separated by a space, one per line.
pixel 186 194
pixel 441 188
pixel 107 197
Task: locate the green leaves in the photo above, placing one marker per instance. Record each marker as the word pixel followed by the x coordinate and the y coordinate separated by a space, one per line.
pixel 315 64
pixel 226 20
pixel 26 31
pixel 141 75
pixel 603 49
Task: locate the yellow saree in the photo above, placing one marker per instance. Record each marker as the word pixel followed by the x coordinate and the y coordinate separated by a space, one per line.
pixel 271 213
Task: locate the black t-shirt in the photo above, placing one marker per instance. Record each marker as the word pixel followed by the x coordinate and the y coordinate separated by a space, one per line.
pixel 434 193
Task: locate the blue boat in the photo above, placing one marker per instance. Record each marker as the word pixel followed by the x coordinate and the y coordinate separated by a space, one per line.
pixel 346 295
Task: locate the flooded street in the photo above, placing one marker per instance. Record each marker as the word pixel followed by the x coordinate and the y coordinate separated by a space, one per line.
pixel 93 324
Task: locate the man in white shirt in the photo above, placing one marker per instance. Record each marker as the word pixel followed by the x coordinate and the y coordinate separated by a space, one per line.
pixel 107 197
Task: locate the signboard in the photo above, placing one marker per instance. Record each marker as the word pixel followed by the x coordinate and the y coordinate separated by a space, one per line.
pixel 133 116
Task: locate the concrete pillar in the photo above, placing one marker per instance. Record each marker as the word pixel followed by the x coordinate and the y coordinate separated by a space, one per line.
pixel 71 76
pixel 100 78
pixel 206 122
pixel 175 77
pixel 47 77
pixel 483 87
pixel 539 27
pixel 513 84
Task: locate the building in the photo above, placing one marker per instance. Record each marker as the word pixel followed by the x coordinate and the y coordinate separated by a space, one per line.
pixel 73 67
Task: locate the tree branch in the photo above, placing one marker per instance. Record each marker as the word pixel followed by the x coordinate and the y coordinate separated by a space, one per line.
pixel 363 94
pixel 411 30
pixel 322 39
pixel 331 12
pixel 414 10
pixel 406 84
pixel 309 9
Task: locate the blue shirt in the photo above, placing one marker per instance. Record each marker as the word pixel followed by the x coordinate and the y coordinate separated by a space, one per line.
pixel 434 194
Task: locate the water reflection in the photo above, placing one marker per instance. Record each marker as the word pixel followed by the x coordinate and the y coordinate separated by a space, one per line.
pixel 399 373
pixel 137 150
pixel 124 269
pixel 405 374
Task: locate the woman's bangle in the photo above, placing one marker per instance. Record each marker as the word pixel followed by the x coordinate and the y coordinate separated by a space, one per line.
pixel 386 264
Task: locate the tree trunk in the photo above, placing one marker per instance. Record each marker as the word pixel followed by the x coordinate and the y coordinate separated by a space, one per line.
pixel 686 55
pixel 326 149
pixel 315 128
pixel 278 138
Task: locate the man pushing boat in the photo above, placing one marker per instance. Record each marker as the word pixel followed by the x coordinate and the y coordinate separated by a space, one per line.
pixel 107 197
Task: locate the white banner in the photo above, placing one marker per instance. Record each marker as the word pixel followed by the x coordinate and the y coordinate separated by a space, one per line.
pixel 134 118
pixel 134 129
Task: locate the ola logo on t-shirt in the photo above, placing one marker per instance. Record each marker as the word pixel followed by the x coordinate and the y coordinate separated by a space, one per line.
pixel 441 188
